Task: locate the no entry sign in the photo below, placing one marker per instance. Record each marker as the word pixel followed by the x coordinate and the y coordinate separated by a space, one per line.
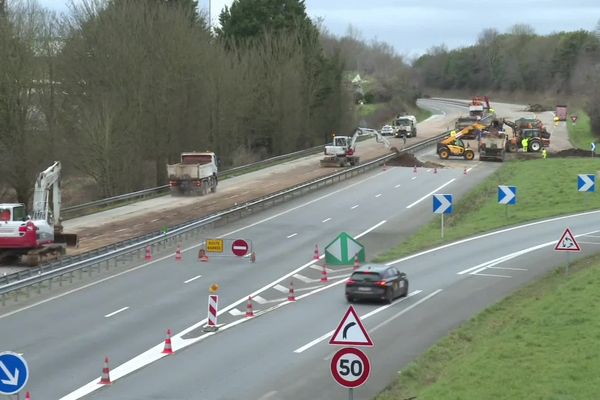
pixel 240 247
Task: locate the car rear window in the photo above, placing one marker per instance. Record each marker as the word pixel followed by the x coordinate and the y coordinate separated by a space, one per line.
pixel 365 277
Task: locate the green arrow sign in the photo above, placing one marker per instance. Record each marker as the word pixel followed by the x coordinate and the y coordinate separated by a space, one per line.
pixel 343 249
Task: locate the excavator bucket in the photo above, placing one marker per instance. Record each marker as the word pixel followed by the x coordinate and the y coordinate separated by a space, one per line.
pixel 66 239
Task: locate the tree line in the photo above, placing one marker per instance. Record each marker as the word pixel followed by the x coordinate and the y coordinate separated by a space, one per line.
pixel 563 63
pixel 116 89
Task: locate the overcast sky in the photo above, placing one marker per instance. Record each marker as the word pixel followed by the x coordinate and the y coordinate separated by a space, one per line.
pixel 413 26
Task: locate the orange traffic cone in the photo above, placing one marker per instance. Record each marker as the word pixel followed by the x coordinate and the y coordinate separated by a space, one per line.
pixel 356 262
pixel 384 166
pixel 105 378
pixel 291 294
pixel 249 310
pixel 148 253
pixel 316 255
pixel 465 171
pixel 27 395
pixel 168 347
pixel 202 255
pixel 324 274
pixel 178 256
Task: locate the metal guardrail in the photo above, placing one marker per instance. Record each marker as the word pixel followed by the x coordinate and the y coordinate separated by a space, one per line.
pixel 164 188
pixel 135 247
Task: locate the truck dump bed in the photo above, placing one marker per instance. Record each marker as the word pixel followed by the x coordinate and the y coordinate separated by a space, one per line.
pixel 492 146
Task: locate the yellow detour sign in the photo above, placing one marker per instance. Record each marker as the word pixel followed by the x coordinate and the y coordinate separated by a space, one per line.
pixel 214 245
pixel 214 288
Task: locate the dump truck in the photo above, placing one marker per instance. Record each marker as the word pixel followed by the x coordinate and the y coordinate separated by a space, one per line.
pixel 492 145
pixel 196 174
pixel 561 112
pixel 405 125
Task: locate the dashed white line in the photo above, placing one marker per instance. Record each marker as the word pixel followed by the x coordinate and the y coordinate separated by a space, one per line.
pixel 492 275
pixel 326 219
pixel 281 288
pixel 292 235
pixel 259 300
pixel 430 193
pixel 378 195
pixel 354 206
pixel 397 186
pixel 116 312
pixel 413 178
pixel 193 279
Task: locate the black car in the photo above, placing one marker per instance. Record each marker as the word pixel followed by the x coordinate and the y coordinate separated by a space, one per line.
pixel 376 282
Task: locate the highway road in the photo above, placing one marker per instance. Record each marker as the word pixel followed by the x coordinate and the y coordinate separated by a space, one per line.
pixel 65 339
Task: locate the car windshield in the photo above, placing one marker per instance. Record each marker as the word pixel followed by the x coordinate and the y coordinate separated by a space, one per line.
pixel 365 277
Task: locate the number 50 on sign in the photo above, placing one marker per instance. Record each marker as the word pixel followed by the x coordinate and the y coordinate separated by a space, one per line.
pixel 350 367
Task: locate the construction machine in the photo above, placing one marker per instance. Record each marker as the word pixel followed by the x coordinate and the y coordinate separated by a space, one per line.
pixel 38 236
pixel 492 145
pixel 341 152
pixel 453 146
pixel 530 128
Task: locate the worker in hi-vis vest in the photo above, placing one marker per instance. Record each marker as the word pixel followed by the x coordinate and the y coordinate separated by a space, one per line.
pixel 524 143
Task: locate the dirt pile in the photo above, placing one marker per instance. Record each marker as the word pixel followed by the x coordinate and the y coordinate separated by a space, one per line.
pixel 572 153
pixel 405 160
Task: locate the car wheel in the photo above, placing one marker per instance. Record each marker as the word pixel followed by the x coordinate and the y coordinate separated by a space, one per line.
pixel 405 289
pixel 350 299
pixel 535 146
pixel 389 296
pixel 469 155
pixel 444 154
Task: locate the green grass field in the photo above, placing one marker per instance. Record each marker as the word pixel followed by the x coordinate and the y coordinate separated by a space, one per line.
pixel 538 343
pixel 545 188
pixel 366 110
pixel 580 133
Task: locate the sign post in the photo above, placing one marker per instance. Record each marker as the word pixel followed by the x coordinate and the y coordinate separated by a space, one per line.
pixel 350 367
pixel 442 204
pixel 568 244
pixel 14 373
pixel 507 195
pixel 593 145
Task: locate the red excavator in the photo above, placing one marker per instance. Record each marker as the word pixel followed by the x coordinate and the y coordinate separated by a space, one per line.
pixel 37 236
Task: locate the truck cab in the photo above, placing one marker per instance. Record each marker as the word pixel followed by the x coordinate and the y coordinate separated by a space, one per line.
pixel 406 125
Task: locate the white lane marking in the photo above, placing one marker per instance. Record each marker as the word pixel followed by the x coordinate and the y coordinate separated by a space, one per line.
pixel 509 268
pixel 492 275
pixel 362 318
pixel 413 178
pixel 469 169
pixel 580 242
pixel 397 186
pixel 404 311
pixel 354 206
pixel 430 193
pixel 502 231
pixel 116 312
pixel 320 268
pixel 594 236
pixel 281 288
pixel 378 195
pixel 326 219
pixel 377 225
pixel 235 312
pixel 292 235
pixel 259 300
pixel 268 395
pixel 193 279
pixel 303 278
pixel 155 353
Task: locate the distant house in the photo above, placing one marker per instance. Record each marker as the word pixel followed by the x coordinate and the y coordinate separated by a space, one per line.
pixel 356 80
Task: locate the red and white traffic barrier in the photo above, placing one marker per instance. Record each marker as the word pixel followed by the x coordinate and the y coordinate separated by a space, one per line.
pixel 249 308
pixel 105 378
pixel 213 307
pixel 356 262
pixel 168 349
pixel 148 256
pixel 178 256
pixel 27 395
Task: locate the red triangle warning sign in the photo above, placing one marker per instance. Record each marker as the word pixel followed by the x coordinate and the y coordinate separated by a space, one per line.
pixel 567 242
pixel 351 331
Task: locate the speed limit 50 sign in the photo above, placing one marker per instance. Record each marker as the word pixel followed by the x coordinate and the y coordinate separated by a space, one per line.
pixel 350 367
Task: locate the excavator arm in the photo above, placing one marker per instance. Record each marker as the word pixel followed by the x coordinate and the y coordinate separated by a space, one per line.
pixel 46 180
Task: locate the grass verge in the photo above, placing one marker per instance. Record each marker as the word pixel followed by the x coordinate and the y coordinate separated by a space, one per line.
pixel 366 110
pixel 580 133
pixel 535 344
pixel 545 188
pixel 422 114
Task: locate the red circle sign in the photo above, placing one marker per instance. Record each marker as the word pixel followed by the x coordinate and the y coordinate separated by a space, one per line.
pixel 350 367
pixel 240 247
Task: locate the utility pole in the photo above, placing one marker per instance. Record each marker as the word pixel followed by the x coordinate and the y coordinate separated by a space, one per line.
pixel 209 15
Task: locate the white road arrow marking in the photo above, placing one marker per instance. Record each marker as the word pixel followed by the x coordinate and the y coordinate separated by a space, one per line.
pixel 12 380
